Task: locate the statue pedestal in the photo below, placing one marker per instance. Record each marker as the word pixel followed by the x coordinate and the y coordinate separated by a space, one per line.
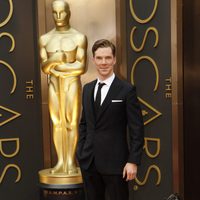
pixel 68 192
pixel 60 186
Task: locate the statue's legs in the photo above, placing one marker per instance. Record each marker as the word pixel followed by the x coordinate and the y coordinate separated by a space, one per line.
pixel 73 103
pixel 57 128
pixel 65 134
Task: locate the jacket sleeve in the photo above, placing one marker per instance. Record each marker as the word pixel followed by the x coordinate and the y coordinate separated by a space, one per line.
pixel 135 127
pixel 82 130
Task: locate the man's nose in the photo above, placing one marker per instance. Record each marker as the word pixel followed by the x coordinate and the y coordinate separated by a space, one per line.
pixel 103 61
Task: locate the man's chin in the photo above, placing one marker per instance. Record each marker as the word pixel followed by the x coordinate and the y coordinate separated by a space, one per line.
pixel 104 73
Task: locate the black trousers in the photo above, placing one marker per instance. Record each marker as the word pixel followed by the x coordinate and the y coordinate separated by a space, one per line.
pixel 104 187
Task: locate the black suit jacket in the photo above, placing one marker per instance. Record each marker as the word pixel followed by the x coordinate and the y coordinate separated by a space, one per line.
pixel 103 137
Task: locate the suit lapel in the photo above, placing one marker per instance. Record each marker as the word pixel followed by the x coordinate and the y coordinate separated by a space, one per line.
pixel 112 93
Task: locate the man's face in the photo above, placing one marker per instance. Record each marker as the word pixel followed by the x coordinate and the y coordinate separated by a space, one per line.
pixel 61 14
pixel 104 61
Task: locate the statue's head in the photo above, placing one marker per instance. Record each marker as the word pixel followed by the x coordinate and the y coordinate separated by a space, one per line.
pixel 61 12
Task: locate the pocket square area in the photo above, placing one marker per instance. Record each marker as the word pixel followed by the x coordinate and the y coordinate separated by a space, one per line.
pixel 117 100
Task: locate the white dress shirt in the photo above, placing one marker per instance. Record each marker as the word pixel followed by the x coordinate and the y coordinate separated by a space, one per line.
pixel 105 88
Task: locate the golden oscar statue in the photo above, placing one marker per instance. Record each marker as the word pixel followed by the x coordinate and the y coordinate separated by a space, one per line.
pixel 63 59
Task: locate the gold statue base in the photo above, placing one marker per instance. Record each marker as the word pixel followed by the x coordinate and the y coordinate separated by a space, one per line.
pixel 49 178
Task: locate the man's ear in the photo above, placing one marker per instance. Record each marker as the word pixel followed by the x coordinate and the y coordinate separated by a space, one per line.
pixel 93 59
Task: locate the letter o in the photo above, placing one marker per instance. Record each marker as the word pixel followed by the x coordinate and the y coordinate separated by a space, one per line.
pixel 9 15
pixel 143 21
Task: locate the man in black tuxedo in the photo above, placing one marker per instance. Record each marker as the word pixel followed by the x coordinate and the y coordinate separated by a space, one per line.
pixel 110 105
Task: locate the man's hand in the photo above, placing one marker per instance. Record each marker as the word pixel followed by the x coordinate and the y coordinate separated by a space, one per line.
pixel 130 171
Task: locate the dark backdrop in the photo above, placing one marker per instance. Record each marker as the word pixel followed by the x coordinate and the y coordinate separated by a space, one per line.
pixel 154 67
pixel 20 109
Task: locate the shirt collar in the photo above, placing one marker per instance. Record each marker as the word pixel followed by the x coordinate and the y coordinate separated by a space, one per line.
pixel 107 81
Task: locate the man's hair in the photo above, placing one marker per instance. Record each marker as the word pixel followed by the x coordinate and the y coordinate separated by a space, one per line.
pixel 103 43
